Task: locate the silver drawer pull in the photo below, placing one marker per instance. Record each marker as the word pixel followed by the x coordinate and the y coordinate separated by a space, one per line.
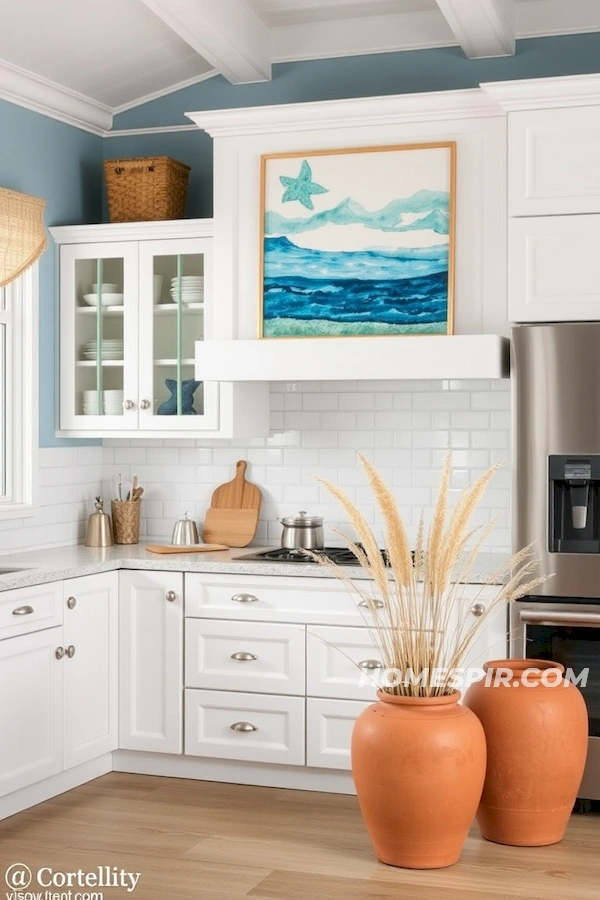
pixel 368 605
pixel 244 598
pixel 59 652
pixel 72 602
pixel 370 664
pixel 23 611
pixel 171 596
pixel 243 726
pixel 70 651
pixel 241 656
pixel 477 610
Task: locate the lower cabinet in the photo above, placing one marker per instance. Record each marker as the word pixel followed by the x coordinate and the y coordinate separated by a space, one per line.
pixel 31 705
pixel 329 725
pixel 151 661
pixel 256 727
pixel 90 663
pixel 58 685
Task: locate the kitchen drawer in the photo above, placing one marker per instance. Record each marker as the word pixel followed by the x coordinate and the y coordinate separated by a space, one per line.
pixel 329 725
pixel 338 663
pixel 244 656
pixel 31 609
pixel 275 726
pixel 270 598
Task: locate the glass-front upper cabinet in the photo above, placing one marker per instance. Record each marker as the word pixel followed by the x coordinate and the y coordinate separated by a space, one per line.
pixel 136 302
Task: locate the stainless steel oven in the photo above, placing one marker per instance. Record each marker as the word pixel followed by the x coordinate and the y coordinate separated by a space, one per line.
pixel 568 632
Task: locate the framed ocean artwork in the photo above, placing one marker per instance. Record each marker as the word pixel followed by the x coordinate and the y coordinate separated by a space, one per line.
pixel 358 241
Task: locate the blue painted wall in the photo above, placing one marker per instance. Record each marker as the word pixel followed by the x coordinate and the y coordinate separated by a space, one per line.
pixel 63 165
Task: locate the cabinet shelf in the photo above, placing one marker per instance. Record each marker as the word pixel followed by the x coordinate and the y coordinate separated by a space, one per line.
pixel 106 310
pixel 166 308
pixel 173 362
pixel 92 363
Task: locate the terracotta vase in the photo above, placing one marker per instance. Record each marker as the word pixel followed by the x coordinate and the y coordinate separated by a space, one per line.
pixel 536 748
pixel 418 765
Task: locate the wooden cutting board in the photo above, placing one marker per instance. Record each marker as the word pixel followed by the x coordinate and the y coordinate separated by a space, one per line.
pixel 234 527
pixel 188 548
pixel 232 517
pixel 237 493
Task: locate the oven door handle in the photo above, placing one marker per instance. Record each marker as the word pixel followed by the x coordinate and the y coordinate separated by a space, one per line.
pixel 535 617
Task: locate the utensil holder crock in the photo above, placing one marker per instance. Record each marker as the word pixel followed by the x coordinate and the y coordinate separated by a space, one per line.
pixel 126 521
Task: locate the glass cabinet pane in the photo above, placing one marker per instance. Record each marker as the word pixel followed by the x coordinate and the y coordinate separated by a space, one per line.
pixel 178 322
pixel 99 337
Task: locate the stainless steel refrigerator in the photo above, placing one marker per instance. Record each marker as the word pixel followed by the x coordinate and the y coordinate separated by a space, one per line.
pixel 555 376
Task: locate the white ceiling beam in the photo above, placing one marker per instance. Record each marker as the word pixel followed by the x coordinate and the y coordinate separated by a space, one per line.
pixel 227 33
pixel 483 28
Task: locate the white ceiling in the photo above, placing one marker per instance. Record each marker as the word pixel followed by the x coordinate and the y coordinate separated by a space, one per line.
pixel 95 59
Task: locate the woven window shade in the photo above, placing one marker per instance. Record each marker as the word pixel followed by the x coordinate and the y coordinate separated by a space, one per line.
pixel 22 233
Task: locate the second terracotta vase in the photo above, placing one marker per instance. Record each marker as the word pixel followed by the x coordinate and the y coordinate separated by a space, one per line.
pixel 536 729
pixel 418 765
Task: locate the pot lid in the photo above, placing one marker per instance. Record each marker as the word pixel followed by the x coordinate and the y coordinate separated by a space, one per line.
pixel 303 521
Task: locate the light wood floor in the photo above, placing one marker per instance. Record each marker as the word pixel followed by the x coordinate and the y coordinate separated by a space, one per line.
pixel 196 840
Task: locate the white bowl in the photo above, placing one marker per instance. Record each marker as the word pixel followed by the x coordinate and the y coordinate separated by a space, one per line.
pixel 106 288
pixel 107 299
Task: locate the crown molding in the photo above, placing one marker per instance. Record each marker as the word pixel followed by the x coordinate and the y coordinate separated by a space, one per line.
pixel 49 99
pixel 363 111
pixel 164 92
pixel 160 129
pixel 132 231
pixel 545 93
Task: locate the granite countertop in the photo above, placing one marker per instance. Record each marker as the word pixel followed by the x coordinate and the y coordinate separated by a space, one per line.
pixel 40 566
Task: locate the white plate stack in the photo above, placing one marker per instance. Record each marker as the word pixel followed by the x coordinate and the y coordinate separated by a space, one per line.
pixel 112 403
pixel 111 349
pixel 192 289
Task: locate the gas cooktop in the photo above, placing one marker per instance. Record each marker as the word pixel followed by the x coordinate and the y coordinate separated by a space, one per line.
pixel 340 555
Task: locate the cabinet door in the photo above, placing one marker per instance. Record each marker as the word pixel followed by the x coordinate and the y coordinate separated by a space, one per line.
pixel 341 662
pixel 329 725
pixel 175 279
pixel 553 157
pixel 151 661
pixel 31 706
pixel 553 269
pixel 90 663
pixel 99 337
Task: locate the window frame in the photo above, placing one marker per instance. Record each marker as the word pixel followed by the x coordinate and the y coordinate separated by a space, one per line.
pixel 22 413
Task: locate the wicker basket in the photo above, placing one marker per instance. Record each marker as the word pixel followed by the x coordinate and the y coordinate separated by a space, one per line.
pixel 146 188
pixel 126 521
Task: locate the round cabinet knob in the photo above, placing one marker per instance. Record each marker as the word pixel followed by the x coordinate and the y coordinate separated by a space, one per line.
pixel 171 596
pixel 72 602
pixel 59 652
pixel 128 404
pixel 145 404
pixel 370 664
pixel 243 726
pixel 478 609
pixel 70 651
pixel 242 656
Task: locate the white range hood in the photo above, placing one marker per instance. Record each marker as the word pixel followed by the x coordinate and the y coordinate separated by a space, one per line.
pixel 349 358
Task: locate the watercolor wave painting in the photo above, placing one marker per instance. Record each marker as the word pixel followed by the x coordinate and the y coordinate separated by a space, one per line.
pixel 348 270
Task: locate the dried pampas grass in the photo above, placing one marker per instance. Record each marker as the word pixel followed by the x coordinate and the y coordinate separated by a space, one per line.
pixel 416 611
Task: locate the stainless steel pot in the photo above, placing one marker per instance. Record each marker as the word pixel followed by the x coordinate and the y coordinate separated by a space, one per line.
pixel 185 532
pixel 302 532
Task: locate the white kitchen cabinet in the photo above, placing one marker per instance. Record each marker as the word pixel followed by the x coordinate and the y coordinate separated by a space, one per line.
pixel 245 656
pixel 151 661
pixel 90 664
pixel 341 663
pixel 553 268
pixel 31 706
pixel 127 363
pixel 329 725
pixel 256 727
pixel 553 161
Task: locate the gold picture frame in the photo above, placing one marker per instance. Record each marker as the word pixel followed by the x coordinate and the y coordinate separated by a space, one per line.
pixel 358 241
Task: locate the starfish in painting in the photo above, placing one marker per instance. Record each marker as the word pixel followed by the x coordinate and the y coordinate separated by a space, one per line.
pixel 301 187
